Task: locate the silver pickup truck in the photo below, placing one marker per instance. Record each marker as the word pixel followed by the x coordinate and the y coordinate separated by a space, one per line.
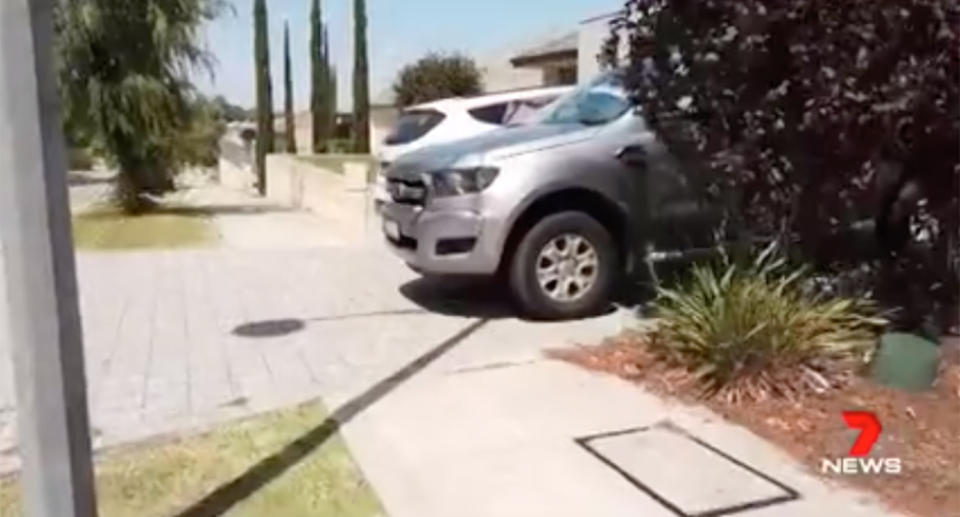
pixel 560 209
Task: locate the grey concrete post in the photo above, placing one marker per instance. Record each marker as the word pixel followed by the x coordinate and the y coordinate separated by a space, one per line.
pixel 44 320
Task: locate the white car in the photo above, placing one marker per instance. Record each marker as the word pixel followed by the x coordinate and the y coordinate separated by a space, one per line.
pixel 457 118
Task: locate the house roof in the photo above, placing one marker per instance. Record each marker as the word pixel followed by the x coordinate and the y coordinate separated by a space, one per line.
pixel 562 47
pixel 605 16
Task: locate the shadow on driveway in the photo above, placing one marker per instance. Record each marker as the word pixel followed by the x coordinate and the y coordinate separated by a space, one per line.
pixel 266 470
pixel 460 296
pixel 470 297
pixel 481 297
pixel 283 327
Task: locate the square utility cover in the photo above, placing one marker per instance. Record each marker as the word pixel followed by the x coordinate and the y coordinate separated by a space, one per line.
pixel 686 475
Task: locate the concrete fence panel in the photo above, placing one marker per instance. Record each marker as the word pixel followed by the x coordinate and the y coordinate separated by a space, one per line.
pixel 336 190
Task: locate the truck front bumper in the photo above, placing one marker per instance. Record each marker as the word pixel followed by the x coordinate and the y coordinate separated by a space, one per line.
pixel 447 241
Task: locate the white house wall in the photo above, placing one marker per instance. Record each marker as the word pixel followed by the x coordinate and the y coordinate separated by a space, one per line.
pixel 592 35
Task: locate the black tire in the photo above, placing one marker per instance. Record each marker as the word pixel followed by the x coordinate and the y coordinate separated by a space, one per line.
pixel 525 287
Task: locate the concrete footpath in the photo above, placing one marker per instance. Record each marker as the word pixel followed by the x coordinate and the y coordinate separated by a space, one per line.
pixel 525 436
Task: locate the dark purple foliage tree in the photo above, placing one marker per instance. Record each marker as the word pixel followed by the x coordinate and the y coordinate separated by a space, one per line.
pixel 812 118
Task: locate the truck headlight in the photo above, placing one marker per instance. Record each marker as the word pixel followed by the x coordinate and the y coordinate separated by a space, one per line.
pixel 382 170
pixel 457 182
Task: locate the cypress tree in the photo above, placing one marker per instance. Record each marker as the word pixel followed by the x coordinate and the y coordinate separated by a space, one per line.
pixel 333 99
pixel 264 93
pixel 330 100
pixel 290 122
pixel 318 78
pixel 361 73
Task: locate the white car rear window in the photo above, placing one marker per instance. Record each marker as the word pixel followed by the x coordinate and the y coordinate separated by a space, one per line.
pixel 513 112
pixel 412 125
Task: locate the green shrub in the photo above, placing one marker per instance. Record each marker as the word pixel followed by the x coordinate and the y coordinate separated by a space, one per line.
pixel 336 163
pixel 437 76
pixel 339 146
pixel 79 159
pixel 752 331
pixel 279 140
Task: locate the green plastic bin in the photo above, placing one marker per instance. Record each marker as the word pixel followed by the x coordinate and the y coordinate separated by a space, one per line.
pixel 906 362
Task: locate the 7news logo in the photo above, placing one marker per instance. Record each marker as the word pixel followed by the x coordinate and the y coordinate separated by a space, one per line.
pixel 857 460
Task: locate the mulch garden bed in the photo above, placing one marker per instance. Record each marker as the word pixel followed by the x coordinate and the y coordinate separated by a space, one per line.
pixel 923 429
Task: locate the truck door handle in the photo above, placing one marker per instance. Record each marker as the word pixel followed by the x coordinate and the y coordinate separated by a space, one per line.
pixel 634 155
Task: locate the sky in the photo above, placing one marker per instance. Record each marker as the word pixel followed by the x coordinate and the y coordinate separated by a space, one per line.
pixel 399 32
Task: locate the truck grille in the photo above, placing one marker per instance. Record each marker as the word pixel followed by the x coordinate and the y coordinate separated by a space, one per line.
pixel 407 192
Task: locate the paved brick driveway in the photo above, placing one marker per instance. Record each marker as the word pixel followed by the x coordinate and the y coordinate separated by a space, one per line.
pixel 181 339
pixel 443 394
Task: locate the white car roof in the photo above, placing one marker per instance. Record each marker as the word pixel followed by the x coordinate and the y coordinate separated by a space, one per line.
pixel 465 103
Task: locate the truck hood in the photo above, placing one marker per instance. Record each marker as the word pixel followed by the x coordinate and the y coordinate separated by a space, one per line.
pixel 498 144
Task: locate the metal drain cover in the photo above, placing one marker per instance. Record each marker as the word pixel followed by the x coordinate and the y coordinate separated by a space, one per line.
pixel 686 475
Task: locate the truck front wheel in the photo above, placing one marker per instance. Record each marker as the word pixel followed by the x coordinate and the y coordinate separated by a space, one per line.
pixel 564 267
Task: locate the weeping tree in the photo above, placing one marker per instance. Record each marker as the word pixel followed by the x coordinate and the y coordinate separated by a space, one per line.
pixel 261 49
pixel 123 70
pixel 199 142
pixel 361 79
pixel 290 124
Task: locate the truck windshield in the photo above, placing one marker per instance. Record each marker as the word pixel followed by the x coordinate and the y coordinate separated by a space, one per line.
pixel 596 103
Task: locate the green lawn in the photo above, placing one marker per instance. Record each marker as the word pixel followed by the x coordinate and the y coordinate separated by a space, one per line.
pixel 109 229
pixel 162 479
